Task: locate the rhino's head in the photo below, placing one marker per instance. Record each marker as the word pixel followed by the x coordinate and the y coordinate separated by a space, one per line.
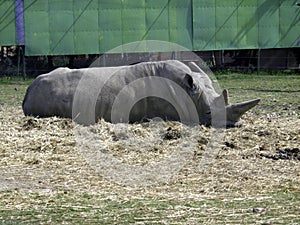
pixel 225 114
pixel 221 112
pixel 234 112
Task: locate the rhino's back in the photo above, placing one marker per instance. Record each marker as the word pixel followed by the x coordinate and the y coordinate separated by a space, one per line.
pixel 52 94
pixel 64 93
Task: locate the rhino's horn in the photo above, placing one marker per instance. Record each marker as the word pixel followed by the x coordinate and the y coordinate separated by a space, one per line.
pixel 235 111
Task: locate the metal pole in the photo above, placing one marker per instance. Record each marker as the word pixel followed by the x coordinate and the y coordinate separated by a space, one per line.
pixel 222 57
pixel 287 59
pixel 18 66
pixel 23 61
pixel 258 61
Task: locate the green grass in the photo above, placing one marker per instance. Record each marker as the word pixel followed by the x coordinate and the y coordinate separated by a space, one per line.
pixel 12 94
pixel 278 208
pixel 278 93
pixel 15 80
pixel 12 90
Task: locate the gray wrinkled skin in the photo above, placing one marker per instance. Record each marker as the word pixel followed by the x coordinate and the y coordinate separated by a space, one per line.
pixel 52 94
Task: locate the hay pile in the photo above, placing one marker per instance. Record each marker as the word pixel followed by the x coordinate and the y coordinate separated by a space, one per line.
pixel 43 155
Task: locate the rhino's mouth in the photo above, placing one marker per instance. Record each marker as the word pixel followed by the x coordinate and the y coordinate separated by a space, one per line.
pixel 234 124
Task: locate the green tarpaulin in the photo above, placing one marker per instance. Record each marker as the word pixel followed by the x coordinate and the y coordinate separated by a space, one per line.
pixel 7 23
pixel 55 27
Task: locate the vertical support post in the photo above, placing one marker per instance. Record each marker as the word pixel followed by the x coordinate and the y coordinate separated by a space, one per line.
pixel 222 57
pixel 287 59
pixel 19 11
pixel 173 56
pixel 19 56
pixel 258 60
pixel 213 59
pixel 1 52
pixel 23 61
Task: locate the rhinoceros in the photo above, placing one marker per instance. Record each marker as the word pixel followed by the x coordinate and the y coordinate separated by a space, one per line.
pixel 168 89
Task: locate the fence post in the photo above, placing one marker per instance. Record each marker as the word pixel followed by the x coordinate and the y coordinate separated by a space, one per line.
pixel 258 61
pixel 22 47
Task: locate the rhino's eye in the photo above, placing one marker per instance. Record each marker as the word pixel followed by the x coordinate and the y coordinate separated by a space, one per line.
pixel 194 89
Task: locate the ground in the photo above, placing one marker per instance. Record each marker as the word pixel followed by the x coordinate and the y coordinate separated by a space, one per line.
pixel 254 178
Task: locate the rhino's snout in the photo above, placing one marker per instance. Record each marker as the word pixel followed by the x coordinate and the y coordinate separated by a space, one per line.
pixel 230 124
pixel 235 111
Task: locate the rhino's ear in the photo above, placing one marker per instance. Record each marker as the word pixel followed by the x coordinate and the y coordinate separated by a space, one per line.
pixel 222 99
pixel 195 68
pixel 188 79
pixel 225 95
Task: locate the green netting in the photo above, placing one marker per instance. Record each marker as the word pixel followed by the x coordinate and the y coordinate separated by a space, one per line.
pixel 110 25
pixel 7 23
pixel 247 28
pixel 58 27
pixel 242 24
pixel 289 24
pixel 268 23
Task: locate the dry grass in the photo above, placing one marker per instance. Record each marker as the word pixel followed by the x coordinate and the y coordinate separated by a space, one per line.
pixel 40 157
pixel 45 179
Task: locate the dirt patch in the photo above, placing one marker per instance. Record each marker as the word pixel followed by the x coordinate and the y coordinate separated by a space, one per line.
pixel 286 154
